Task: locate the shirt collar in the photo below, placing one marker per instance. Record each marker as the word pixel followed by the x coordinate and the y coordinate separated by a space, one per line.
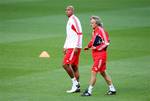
pixel 96 29
pixel 71 16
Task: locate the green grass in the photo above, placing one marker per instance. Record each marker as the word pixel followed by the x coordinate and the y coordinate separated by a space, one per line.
pixel 28 27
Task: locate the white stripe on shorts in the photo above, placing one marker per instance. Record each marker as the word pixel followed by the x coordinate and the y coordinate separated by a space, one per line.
pixel 71 56
pixel 100 63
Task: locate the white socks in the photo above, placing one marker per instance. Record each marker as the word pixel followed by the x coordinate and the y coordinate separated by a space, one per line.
pixel 74 81
pixel 90 89
pixel 112 88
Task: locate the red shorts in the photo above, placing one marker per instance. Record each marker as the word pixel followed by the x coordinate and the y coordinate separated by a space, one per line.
pixel 99 59
pixel 71 58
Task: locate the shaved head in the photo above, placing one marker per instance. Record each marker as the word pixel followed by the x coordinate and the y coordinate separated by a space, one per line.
pixel 69 10
pixel 70 7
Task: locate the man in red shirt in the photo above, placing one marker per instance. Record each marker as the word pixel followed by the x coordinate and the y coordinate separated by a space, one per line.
pixel 98 44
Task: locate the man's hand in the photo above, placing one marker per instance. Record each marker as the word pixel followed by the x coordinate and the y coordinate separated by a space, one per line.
pixel 76 50
pixel 93 47
pixel 86 48
pixel 64 51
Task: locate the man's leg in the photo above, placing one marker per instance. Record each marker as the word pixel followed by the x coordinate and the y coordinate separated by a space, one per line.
pixel 69 70
pixel 108 80
pixel 75 64
pixel 92 82
pixel 76 72
pixel 77 76
pixel 93 78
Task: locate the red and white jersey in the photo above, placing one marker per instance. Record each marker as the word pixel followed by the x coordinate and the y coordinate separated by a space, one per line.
pixel 74 33
pixel 104 36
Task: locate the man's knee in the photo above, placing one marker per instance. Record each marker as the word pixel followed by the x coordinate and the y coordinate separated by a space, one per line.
pixel 75 68
pixel 103 74
pixel 65 66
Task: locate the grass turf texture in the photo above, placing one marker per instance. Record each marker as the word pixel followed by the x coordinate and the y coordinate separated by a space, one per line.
pixel 28 27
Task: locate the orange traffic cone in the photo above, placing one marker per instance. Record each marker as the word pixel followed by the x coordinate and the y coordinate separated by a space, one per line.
pixel 44 54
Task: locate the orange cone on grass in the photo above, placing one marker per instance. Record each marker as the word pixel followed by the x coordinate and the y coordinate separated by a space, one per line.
pixel 44 54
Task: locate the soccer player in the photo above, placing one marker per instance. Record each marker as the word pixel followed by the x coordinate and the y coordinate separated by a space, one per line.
pixel 72 49
pixel 98 44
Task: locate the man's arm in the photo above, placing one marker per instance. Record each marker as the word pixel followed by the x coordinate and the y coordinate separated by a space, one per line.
pixel 65 47
pixel 89 45
pixel 64 51
pixel 105 41
pixel 76 27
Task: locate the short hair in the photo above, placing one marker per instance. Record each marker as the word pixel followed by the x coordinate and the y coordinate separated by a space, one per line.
pixel 98 20
pixel 71 7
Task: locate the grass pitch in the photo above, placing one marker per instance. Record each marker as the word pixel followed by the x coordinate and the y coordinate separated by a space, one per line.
pixel 28 27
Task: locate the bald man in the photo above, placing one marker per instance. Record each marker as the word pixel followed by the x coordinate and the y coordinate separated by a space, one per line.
pixel 72 49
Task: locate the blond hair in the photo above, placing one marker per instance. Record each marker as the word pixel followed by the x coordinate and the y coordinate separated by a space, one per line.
pixel 98 20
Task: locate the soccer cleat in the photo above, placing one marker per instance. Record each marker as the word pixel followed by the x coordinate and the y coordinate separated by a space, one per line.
pixel 74 89
pixel 78 88
pixel 86 93
pixel 111 93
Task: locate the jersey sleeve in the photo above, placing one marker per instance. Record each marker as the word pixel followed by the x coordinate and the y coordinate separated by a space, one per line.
pixel 76 27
